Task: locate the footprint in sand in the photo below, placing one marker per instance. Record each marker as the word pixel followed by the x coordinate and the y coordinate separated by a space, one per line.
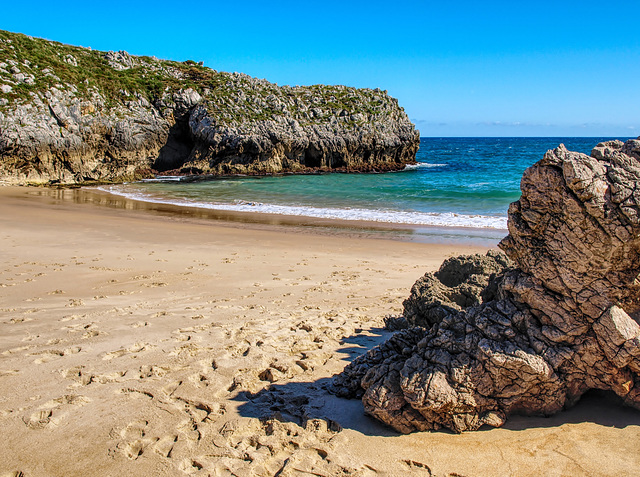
pixel 39 419
pixel 164 445
pixel 136 393
pixel 248 446
pixel 80 327
pixel 155 284
pixel 51 354
pixel 134 439
pixel 199 413
pixel 152 371
pixel 92 334
pixel 134 349
pixel 188 351
pixel 84 378
pixel 411 467
pixel 44 417
pixel 138 436
pixel 72 317
pixel 17 350
pixel 8 372
pixel 202 379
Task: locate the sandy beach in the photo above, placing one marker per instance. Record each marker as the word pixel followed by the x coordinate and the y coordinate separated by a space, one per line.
pixel 157 342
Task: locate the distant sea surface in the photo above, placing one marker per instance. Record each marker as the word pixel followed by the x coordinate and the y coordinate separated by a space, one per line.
pixel 458 183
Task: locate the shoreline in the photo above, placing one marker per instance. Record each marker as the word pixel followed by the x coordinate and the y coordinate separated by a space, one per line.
pixel 356 216
pixel 144 342
pixel 430 234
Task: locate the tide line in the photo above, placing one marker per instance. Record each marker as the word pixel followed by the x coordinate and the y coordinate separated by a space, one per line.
pixel 446 219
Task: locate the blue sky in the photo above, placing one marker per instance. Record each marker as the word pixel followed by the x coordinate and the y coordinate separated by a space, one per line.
pixel 459 68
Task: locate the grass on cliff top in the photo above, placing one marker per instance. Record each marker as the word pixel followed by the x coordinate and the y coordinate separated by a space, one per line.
pixel 92 70
pixel 232 98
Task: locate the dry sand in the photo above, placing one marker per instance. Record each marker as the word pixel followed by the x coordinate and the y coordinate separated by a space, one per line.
pixel 141 343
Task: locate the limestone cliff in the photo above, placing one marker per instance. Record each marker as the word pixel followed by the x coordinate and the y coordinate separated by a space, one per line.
pixel 557 320
pixel 70 115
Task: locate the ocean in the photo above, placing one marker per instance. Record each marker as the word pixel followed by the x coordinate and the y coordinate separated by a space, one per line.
pixel 461 188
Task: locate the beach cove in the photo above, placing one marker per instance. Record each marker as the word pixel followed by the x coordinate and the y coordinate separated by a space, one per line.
pixel 152 342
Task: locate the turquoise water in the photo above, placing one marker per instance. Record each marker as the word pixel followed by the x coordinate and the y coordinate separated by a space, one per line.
pixel 458 182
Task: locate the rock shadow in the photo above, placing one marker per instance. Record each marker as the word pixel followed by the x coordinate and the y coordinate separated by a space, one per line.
pixel 300 401
pixel 603 408
pixel 359 344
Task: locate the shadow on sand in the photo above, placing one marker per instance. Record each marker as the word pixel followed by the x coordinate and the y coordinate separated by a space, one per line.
pixel 297 401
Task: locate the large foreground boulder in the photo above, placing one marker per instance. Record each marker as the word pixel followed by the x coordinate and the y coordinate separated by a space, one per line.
pixel 562 321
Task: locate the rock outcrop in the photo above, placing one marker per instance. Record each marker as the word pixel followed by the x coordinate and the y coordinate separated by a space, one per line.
pixel 460 282
pixel 72 115
pixel 563 320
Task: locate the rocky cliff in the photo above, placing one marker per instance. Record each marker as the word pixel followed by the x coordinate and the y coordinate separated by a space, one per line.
pixel 71 115
pixel 487 337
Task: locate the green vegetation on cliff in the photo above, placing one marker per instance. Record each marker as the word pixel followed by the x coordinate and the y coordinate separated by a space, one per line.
pixel 45 64
pixel 31 66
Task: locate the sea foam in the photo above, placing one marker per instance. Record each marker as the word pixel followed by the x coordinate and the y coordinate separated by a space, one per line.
pixel 448 219
pixel 422 165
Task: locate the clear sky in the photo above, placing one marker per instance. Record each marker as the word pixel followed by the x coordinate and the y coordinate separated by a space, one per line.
pixel 459 68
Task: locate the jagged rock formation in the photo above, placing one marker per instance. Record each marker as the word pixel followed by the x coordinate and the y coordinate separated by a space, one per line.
pixel 457 285
pixel 71 115
pixel 563 321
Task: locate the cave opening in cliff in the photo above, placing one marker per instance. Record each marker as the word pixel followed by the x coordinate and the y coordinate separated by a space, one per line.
pixel 312 157
pixel 175 152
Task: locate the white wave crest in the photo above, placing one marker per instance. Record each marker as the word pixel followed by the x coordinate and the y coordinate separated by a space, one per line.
pixel 422 165
pixel 446 219
pixel 163 179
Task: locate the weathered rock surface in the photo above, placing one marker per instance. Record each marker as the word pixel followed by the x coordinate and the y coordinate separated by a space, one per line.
pixel 563 321
pixel 71 115
pixel 457 285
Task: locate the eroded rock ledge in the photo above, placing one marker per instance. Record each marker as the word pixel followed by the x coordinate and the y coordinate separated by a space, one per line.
pixel 529 337
pixel 72 115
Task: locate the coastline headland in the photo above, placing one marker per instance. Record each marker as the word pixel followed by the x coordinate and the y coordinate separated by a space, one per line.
pixel 72 115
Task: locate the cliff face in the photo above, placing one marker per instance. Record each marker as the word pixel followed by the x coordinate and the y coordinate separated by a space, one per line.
pixel 71 115
pixel 561 318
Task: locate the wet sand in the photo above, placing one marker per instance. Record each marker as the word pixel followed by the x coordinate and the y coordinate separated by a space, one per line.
pixel 152 341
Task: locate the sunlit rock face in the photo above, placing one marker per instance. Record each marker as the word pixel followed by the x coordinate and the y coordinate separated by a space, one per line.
pixel 72 115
